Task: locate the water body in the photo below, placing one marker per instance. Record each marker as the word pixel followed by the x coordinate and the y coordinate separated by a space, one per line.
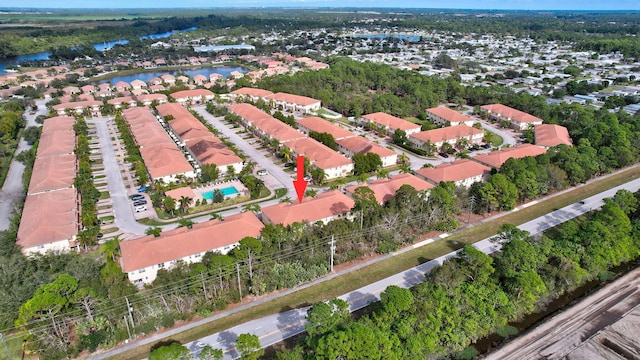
pixel 4 63
pixel 410 38
pixel 206 71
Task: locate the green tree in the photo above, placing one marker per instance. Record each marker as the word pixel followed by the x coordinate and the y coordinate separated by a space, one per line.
pixel 172 351
pixel 399 137
pixel 155 231
pixel 325 317
pixel 209 172
pixel 247 249
pixel 396 300
pixel 248 345
pixel 209 353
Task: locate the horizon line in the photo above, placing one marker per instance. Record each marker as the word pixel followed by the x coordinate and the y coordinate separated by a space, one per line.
pixel 354 8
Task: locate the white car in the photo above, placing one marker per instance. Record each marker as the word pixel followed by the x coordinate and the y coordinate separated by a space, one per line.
pixel 140 208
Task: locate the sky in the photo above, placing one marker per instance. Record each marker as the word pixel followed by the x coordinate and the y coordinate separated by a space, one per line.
pixel 459 4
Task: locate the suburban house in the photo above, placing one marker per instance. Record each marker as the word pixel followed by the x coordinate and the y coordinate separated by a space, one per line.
pixel 142 258
pixel 453 135
pixel 138 84
pixel 53 173
pixel 333 164
pixel 444 116
pixel 168 79
pixel 58 137
pixel 195 96
pixel 121 86
pixel 519 120
pixel 462 173
pixel 359 145
pixel 495 159
pixel 293 103
pixel 323 208
pixel 385 189
pixel 320 125
pixel 56 233
pixel 391 123
pixel 549 135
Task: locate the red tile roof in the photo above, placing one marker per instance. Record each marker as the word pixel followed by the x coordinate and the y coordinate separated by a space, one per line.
pixel 323 206
pixel 211 150
pixel 184 94
pixel 39 227
pixel 360 145
pixel 497 158
pixel 449 115
pixel 390 121
pixel 385 189
pixel 321 125
pixel 549 135
pixel 248 112
pixel 454 171
pixel 53 173
pixel 511 113
pixel 182 242
pixel 164 160
pixel 446 133
pixel 140 98
pixel 293 99
pixel 318 154
pixel 252 92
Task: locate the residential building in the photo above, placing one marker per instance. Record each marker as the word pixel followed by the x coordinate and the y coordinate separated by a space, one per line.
pixel 78 107
pixel 495 159
pixel 131 101
pixel 142 258
pixel 391 123
pixel 320 125
pixel 56 233
pixel 165 162
pixel 385 189
pixel 333 164
pixel 519 120
pixel 323 208
pixel 443 116
pixel 462 173
pixel 453 135
pixel 195 96
pixel 359 145
pixel 293 103
pixel 549 135
pixel 249 93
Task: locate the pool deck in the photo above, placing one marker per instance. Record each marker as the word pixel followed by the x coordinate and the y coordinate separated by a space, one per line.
pixel 242 190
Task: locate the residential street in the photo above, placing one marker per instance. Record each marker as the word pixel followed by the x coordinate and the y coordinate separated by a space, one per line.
pixel 12 190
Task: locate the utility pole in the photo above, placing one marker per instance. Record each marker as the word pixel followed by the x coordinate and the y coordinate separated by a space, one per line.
pixel 130 309
pixel 127 323
pixel 472 201
pixel 239 285
pixel 332 245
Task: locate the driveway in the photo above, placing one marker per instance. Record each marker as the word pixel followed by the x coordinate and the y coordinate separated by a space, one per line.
pixel 125 218
pixel 12 190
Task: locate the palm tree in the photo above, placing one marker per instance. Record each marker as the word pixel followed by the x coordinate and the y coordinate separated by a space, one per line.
pixel 285 199
pixel 185 223
pixel 216 216
pixel 111 249
pixel 254 207
pixel 382 173
pixel 169 204
pixel 405 168
pixel 184 203
pixel 362 178
pixel 286 153
pixel 311 193
pixel 155 231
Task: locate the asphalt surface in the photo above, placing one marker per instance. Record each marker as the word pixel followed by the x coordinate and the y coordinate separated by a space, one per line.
pixel 122 210
pixel 12 190
pixel 277 327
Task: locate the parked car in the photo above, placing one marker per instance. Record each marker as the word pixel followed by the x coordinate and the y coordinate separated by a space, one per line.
pixel 137 197
pixel 142 189
pixel 443 154
pixel 262 172
pixel 140 208
pixel 485 146
pixel 139 202
pixel 288 165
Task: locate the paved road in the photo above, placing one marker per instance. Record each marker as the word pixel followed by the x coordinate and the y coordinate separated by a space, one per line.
pixel 124 216
pixel 274 328
pixel 12 190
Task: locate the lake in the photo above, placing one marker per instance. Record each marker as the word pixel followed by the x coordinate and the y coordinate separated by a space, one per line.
pixel 4 63
pixel 206 71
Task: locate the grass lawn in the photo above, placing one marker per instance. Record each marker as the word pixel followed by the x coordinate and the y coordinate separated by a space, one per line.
pixel 356 279
pixel 496 140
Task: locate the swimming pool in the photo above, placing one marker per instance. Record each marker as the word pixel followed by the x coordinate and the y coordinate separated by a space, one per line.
pixel 225 191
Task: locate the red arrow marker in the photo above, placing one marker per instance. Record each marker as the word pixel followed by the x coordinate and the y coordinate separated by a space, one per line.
pixel 300 183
